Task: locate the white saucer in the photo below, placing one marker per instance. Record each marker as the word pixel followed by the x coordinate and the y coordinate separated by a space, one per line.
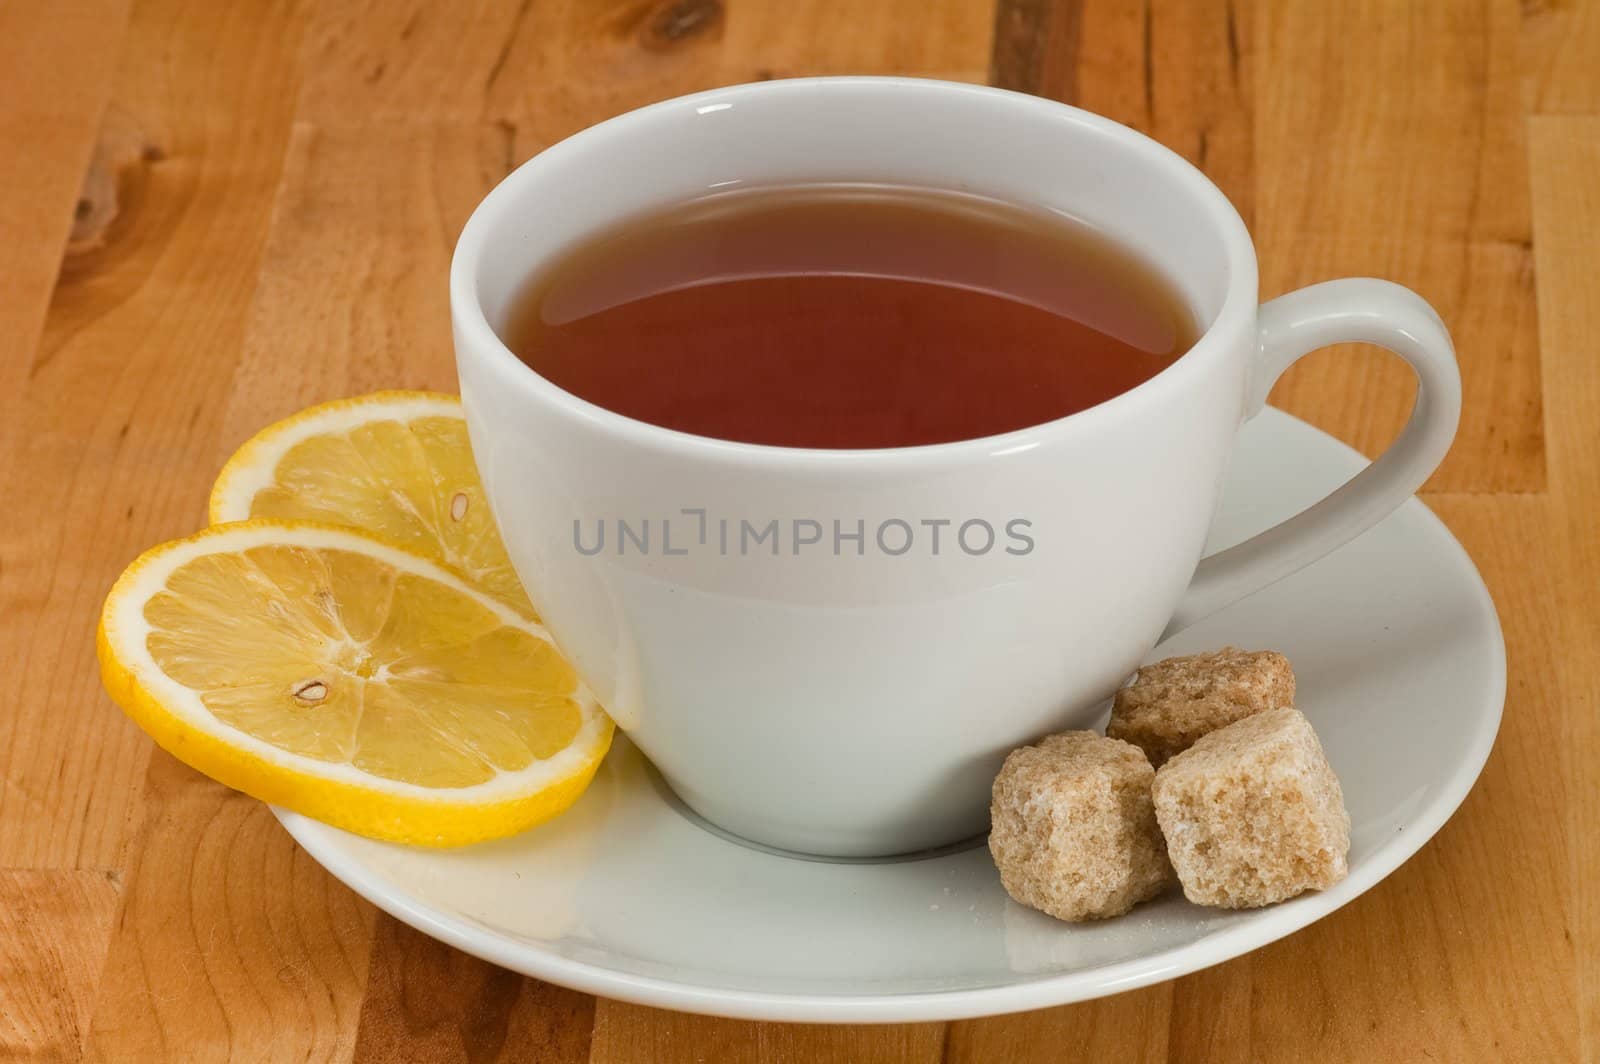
pixel 1400 666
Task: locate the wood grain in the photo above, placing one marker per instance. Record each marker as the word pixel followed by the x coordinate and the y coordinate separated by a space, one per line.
pixel 124 389
pixel 1212 1016
pixel 231 942
pixel 632 1034
pixel 775 39
pixel 55 112
pixel 54 926
pixel 1131 1026
pixel 563 65
pixel 214 214
pixel 1566 205
pixel 1179 70
pixel 1560 43
pixel 553 68
pixel 53 109
pixel 426 1001
pixel 1394 135
pixel 352 294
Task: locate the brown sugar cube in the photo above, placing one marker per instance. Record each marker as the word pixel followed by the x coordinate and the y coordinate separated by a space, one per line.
pixel 1253 814
pixel 1172 703
pixel 1074 830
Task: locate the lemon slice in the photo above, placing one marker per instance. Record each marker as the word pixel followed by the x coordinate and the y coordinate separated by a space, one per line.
pixel 323 670
pixel 393 463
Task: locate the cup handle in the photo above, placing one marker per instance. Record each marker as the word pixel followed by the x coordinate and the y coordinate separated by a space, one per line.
pixel 1355 309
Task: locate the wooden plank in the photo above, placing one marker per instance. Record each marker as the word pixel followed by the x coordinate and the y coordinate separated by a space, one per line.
pixel 1393 137
pixel 1183 73
pixel 1211 1015
pixel 554 68
pixel 633 1034
pixel 353 294
pixel 1566 209
pixel 427 1001
pixel 1561 56
pixel 1416 969
pixel 353 298
pixel 1179 70
pixel 52 109
pixel 226 932
pixel 1130 1027
pixel 124 391
pixel 777 39
pixel 54 926
pixel 1035 48
pixel 232 943
pixel 562 65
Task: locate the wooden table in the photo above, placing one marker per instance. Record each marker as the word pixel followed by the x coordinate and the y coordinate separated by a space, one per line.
pixel 212 214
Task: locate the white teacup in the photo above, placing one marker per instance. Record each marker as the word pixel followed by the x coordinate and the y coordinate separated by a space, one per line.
pixel 854 696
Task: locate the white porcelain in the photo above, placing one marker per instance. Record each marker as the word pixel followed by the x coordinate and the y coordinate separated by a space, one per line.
pixel 849 704
pixel 1401 669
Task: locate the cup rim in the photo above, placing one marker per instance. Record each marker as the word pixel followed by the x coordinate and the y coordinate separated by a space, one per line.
pixel 475 335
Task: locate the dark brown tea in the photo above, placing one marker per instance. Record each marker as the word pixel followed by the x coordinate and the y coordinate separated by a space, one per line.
pixel 848 316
